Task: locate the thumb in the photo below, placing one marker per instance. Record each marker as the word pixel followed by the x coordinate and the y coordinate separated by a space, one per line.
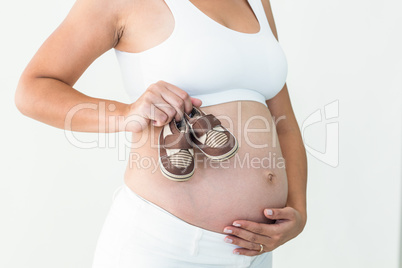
pixel 277 213
pixel 196 102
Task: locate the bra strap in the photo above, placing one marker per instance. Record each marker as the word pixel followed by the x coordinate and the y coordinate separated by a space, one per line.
pixel 180 12
pixel 259 11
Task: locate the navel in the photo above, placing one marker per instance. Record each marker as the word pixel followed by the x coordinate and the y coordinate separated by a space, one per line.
pixel 270 176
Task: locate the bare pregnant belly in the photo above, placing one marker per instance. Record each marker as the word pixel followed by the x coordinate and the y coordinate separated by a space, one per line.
pixel 219 192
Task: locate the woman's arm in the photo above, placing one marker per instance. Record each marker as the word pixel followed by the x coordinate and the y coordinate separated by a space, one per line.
pixel 290 221
pixel 293 150
pixel 290 138
pixel 45 91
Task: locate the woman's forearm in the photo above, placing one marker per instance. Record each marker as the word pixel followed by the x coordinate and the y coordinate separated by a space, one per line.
pixel 294 152
pixel 57 104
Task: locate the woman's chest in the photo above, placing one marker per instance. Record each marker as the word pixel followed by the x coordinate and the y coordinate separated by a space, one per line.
pixel 199 55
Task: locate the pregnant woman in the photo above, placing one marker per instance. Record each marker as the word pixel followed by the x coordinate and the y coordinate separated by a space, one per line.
pixel 221 57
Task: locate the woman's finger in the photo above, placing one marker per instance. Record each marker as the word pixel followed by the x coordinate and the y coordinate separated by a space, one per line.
pixel 257 228
pixel 175 102
pixel 152 112
pixel 158 116
pixel 286 213
pixel 267 230
pixel 242 243
pixel 246 252
pixel 155 108
pixel 245 234
pixel 168 109
pixel 188 106
pixel 196 102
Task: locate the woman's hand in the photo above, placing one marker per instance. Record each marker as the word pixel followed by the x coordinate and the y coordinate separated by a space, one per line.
pixel 160 103
pixel 250 235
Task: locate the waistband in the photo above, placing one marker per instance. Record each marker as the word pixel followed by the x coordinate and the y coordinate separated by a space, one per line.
pixel 237 94
pixel 167 216
pixel 157 230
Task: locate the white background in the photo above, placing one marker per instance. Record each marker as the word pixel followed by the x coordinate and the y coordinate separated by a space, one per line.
pixel 54 196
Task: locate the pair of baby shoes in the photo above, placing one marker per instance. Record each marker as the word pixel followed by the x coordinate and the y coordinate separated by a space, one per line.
pixel 177 140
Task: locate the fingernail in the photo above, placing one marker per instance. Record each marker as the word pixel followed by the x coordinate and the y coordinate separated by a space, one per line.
pixel 228 231
pixel 236 252
pixel 269 212
pixel 228 240
pixel 236 224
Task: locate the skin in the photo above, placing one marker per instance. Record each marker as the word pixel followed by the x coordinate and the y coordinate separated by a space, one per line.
pixel 208 199
pixel 291 219
pixel 45 92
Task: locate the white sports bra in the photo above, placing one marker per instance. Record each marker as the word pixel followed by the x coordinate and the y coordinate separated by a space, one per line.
pixel 208 60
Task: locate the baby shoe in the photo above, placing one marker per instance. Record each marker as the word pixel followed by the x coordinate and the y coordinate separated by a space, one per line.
pixel 176 153
pixel 214 140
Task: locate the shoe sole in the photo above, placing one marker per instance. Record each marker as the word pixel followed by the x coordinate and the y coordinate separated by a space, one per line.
pixel 171 176
pixel 174 177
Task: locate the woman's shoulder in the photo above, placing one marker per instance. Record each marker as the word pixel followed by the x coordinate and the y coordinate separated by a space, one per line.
pixel 115 10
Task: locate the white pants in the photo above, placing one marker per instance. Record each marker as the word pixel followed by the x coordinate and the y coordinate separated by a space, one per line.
pixel 138 233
